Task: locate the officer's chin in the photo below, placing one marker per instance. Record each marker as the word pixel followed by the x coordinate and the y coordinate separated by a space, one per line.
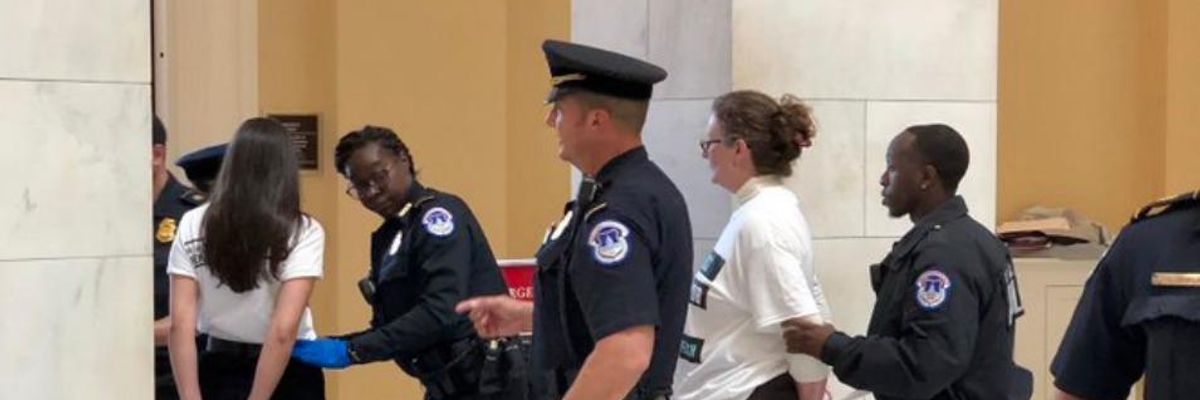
pixel 893 211
pixel 382 207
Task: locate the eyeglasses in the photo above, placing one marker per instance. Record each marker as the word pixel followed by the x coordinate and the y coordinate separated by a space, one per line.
pixel 707 144
pixel 365 187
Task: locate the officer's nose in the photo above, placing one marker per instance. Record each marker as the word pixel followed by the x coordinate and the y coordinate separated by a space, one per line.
pixel 883 179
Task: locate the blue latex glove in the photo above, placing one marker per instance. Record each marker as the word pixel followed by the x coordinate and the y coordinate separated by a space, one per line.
pixel 324 353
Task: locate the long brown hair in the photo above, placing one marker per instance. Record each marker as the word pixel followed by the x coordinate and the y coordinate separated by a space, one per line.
pixel 255 207
pixel 775 131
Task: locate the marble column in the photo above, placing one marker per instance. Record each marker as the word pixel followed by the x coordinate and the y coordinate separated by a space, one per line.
pixel 75 257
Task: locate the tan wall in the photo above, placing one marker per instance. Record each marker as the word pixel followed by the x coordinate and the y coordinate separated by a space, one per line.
pixel 1183 96
pixel 1081 105
pixel 537 183
pixel 296 73
pixel 1099 104
pixel 206 84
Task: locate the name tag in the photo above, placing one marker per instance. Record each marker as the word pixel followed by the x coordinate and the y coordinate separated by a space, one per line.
pixel 1176 279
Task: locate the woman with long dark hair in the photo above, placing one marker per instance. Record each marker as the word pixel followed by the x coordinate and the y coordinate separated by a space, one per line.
pixel 243 268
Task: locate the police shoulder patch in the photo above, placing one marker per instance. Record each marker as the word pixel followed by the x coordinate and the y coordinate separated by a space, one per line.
pixel 609 241
pixel 933 288
pixel 438 221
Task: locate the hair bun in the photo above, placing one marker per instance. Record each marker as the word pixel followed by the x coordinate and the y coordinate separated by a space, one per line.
pixel 798 121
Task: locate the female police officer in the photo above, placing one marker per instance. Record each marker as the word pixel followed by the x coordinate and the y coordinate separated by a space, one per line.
pixel 428 254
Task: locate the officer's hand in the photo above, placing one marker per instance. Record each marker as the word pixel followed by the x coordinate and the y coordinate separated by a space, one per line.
pixel 497 316
pixel 324 353
pixel 806 337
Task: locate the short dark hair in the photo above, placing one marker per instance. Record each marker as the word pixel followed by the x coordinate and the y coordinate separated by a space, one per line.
pixel 776 131
pixel 381 136
pixel 942 147
pixel 159 133
pixel 628 112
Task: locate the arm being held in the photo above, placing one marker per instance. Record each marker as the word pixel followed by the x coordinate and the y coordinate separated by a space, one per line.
pixel 809 372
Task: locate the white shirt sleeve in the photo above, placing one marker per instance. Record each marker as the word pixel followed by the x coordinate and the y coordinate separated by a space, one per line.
pixel 773 281
pixel 182 261
pixel 307 258
pixel 804 368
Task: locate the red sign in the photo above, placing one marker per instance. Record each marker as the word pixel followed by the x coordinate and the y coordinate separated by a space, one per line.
pixel 519 276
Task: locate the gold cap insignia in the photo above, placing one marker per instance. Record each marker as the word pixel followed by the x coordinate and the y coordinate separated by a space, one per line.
pixel 166 231
pixel 558 80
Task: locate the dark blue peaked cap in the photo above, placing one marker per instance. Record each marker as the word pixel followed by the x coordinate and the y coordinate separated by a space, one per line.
pixel 575 66
pixel 203 164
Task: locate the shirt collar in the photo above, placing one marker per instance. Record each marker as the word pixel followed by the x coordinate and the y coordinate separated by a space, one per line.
pixel 614 166
pixel 169 197
pixel 950 210
pixel 756 185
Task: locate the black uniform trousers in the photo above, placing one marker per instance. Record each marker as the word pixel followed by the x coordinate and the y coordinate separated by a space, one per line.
pixel 228 373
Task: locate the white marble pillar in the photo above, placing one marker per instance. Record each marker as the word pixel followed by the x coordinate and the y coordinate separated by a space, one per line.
pixel 691 40
pixel 75 257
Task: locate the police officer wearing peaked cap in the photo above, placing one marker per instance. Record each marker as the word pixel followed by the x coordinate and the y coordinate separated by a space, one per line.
pixel 614 272
pixel 946 295
pixel 202 166
pixel 428 254
pixel 1140 311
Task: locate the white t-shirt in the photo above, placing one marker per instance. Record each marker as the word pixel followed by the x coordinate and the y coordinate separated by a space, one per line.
pixel 244 317
pixel 759 274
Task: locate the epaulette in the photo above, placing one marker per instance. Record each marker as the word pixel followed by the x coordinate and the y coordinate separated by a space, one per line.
pixel 414 204
pixel 1167 204
pixel 593 210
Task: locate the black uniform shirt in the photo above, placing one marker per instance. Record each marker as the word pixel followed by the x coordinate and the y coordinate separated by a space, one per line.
pixel 430 256
pixel 174 200
pixel 942 327
pixel 1113 338
pixel 620 258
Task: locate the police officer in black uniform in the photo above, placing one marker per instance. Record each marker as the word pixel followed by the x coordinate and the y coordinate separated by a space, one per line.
pixel 429 254
pixel 171 200
pixel 1140 311
pixel 946 295
pixel 613 274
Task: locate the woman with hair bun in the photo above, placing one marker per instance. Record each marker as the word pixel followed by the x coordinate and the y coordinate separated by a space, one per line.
pixel 760 273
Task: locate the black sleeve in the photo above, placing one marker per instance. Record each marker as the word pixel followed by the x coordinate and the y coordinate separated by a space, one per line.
pixel 446 264
pixel 1098 359
pixel 937 339
pixel 613 277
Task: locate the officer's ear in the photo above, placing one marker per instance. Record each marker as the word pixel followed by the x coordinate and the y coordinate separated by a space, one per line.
pixel 929 177
pixel 598 117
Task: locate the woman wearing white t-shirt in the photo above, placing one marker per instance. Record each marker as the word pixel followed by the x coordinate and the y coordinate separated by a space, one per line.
pixel 760 272
pixel 242 269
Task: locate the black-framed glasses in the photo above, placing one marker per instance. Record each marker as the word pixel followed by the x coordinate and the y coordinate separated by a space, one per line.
pixel 707 144
pixel 375 181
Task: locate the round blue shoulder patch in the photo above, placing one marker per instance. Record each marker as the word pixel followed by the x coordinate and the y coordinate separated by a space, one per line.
pixel 438 221
pixel 933 288
pixel 609 242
